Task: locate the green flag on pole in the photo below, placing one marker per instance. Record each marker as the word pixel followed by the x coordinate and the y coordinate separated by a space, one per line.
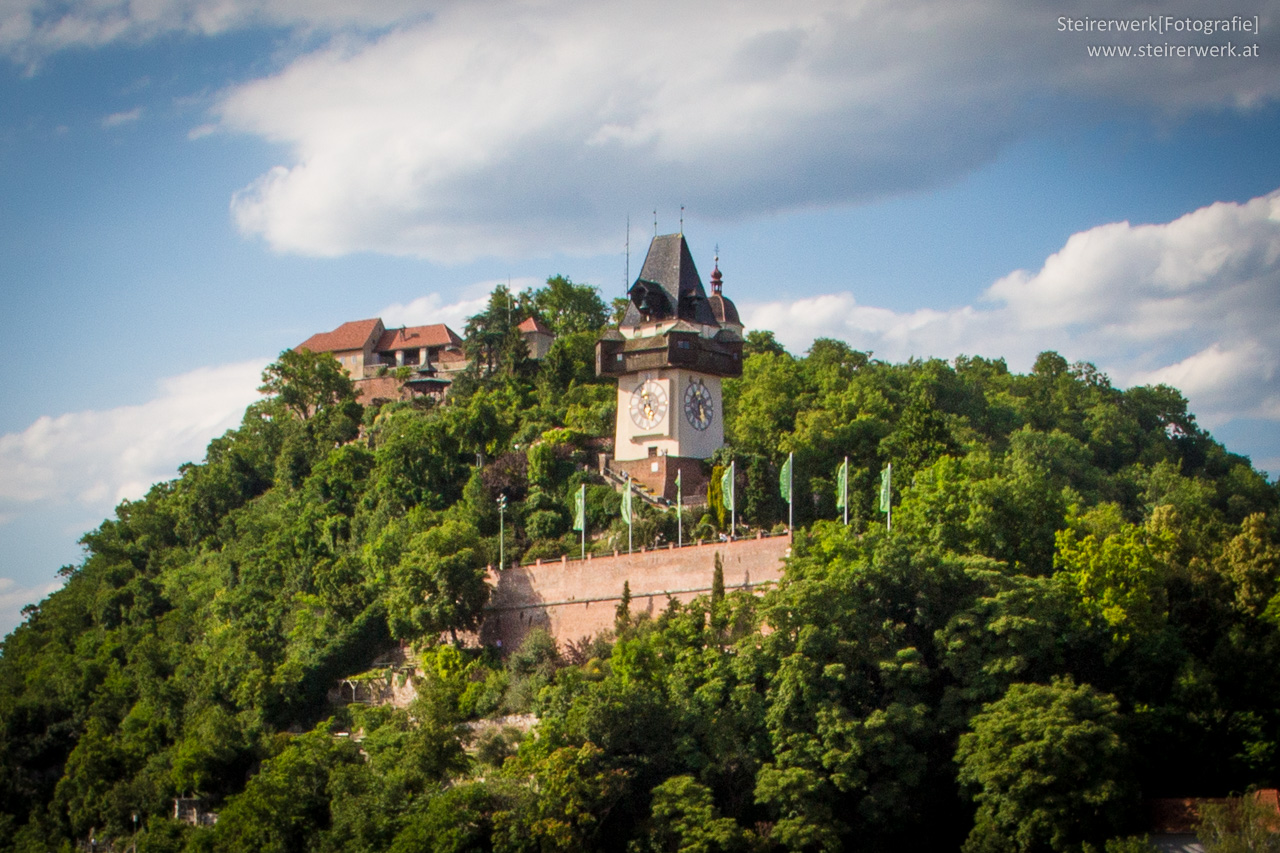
pixel 885 488
pixel 626 502
pixel 842 488
pixel 726 487
pixel 580 509
pixel 679 509
pixel 785 483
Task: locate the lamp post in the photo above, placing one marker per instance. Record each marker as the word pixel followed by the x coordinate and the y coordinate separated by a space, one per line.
pixel 502 535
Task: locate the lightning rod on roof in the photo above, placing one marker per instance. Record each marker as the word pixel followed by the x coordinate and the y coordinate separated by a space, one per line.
pixel 682 220
pixel 626 281
pixel 655 223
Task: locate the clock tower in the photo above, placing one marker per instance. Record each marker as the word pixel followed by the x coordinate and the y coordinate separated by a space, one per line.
pixel 670 352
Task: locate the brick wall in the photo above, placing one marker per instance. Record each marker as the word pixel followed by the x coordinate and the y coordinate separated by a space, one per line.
pixel 658 475
pixel 575 598
pixel 379 387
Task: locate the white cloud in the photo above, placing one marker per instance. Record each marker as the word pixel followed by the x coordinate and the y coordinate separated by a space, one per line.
pixel 98 458
pixel 117 119
pixel 61 475
pixel 510 127
pixel 451 129
pixel 32 29
pixel 1191 303
pixel 432 308
pixel 14 597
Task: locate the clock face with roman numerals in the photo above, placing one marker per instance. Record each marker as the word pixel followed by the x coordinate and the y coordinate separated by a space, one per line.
pixel 699 408
pixel 648 404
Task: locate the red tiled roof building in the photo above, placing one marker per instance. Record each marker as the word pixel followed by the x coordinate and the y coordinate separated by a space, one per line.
pixel 371 354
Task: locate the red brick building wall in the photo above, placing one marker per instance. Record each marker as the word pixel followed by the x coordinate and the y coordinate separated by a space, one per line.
pixel 572 599
pixel 658 475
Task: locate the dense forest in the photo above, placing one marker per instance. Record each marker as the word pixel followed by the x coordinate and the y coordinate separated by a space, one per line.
pixel 1076 607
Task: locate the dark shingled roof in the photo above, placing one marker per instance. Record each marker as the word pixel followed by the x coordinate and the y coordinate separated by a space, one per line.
pixel 669 272
pixel 721 305
pixel 724 309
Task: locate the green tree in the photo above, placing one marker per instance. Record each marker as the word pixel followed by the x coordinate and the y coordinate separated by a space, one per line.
pixel 1239 825
pixel 439 584
pixel 622 613
pixel 491 338
pixel 1046 766
pixel 575 792
pixel 570 361
pixel 1118 580
pixel 1251 560
pixel 418 462
pixel 285 806
pixel 685 820
pixel 719 611
pixel 457 820
pixel 618 309
pixel 761 341
pixel 762 405
pixel 715 495
pixel 307 383
pixel 542 465
pixel 568 308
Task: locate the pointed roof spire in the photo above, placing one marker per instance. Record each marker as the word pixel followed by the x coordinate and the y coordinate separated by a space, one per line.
pixel 722 307
pixel 669 285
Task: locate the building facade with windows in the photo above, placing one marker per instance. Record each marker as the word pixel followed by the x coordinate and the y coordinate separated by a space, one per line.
pixel 372 356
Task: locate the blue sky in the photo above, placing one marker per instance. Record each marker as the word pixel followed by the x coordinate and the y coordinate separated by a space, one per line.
pixel 190 187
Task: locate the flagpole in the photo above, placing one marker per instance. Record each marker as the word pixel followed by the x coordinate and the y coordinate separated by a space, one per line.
pixel 582 504
pixel 502 508
pixel 628 503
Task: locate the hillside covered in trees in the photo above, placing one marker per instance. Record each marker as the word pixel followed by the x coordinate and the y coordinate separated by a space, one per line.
pixel 1077 607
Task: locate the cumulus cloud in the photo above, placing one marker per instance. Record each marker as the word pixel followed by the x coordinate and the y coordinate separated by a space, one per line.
pixel 98 458
pixel 14 597
pixel 30 30
pixel 117 119
pixel 61 475
pixel 511 127
pixel 432 308
pixel 450 129
pixel 1190 303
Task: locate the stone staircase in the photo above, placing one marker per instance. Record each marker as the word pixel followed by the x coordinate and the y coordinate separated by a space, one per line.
pixel 644 493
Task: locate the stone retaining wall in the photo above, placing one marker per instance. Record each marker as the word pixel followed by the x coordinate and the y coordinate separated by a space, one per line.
pixel 572 599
